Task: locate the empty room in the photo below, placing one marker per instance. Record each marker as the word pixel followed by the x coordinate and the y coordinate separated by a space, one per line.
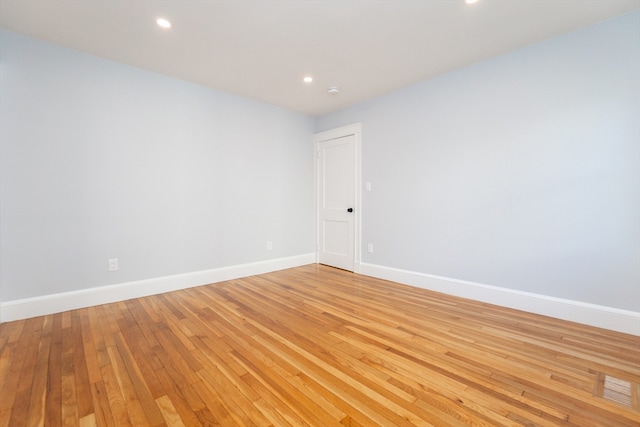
pixel 319 213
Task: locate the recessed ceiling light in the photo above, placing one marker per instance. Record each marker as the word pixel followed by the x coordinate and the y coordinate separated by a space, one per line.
pixel 307 79
pixel 163 23
pixel 470 1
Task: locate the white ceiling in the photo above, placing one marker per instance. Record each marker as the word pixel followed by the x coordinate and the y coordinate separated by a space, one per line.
pixel 261 49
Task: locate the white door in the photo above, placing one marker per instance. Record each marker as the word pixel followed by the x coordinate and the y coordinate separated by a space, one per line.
pixel 337 199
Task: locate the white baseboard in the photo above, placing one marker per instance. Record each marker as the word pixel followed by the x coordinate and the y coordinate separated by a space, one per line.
pixel 589 314
pixel 56 303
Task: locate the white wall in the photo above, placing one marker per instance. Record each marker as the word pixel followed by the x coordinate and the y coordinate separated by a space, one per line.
pixel 101 160
pixel 521 172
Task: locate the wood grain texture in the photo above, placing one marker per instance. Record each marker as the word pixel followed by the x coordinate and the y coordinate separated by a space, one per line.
pixel 311 346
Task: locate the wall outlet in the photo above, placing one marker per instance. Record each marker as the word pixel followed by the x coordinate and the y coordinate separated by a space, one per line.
pixel 269 245
pixel 370 248
pixel 113 264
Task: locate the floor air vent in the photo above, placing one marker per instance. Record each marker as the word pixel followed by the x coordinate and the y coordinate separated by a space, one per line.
pixel 618 390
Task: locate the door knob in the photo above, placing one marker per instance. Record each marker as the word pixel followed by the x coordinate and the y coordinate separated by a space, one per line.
pixel 350 210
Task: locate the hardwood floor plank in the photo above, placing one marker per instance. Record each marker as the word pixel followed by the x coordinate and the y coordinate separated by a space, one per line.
pixel 84 403
pixel 88 421
pixel 215 414
pixel 284 397
pixel 130 400
pixel 103 415
pixel 145 358
pixel 186 408
pixel 139 384
pixel 115 398
pixel 225 392
pixel 20 397
pixel 358 395
pixel 312 346
pixel 35 418
pixel 69 407
pixel 89 348
pixel 169 412
pixel 8 369
pixel 100 345
pixel 9 335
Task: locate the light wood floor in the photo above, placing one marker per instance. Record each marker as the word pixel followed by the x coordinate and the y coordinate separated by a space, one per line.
pixel 313 346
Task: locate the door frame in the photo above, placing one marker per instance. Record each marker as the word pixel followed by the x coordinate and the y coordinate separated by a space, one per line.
pixel 355 130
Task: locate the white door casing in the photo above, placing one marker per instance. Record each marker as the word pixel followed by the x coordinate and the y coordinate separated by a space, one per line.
pixel 338 183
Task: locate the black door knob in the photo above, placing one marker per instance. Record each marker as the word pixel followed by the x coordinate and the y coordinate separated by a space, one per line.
pixel 350 210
